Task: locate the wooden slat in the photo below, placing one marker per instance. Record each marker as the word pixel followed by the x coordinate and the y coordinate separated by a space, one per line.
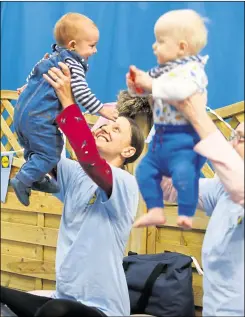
pixel 49 254
pixel 52 221
pixel 22 249
pixel 240 117
pixel 178 240
pixel 18 162
pixel 200 221
pixel 48 285
pixel 3 149
pixel 207 171
pixel 6 130
pixel 229 111
pixel 17 216
pixel 44 204
pixel 17 281
pixel 223 128
pixel 8 106
pixel 28 267
pixel 29 234
pixel 197 288
pixel 9 94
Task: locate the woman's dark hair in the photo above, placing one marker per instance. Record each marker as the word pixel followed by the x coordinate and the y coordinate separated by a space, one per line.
pixel 137 140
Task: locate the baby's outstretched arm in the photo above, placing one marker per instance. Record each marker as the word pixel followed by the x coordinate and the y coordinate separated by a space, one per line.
pixel 84 95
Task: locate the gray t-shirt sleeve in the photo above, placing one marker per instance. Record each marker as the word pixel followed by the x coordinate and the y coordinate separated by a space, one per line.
pixel 66 171
pixel 210 190
pixel 124 199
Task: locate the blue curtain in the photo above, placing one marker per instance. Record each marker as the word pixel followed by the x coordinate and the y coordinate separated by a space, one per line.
pixel 126 30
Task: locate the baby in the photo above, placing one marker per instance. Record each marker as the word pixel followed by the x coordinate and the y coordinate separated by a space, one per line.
pixel 37 107
pixel 180 36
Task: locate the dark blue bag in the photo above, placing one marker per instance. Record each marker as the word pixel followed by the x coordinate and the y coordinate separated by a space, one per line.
pixel 160 284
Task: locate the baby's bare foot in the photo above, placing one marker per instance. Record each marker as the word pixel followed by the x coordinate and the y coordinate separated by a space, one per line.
pixel 154 217
pixel 184 222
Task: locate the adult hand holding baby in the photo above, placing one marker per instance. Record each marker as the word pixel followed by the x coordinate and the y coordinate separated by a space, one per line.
pixel 60 80
pixel 194 109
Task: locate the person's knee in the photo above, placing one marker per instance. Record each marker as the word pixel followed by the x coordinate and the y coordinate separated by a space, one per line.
pixel 52 308
pixel 184 177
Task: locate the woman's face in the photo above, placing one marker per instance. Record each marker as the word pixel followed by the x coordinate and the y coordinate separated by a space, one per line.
pixel 113 139
pixel 238 141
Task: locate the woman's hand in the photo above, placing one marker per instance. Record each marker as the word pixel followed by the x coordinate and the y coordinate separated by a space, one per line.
pixel 194 109
pixel 60 80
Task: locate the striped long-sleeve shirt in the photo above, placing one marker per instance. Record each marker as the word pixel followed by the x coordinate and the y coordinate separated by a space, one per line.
pixel 80 89
pixel 79 86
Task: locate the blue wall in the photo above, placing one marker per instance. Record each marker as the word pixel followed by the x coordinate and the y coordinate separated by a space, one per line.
pixel 126 38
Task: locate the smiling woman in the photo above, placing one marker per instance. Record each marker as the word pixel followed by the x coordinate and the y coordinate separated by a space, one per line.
pixel 97 194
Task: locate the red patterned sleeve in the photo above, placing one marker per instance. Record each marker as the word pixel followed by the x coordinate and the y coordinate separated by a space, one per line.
pixel 73 124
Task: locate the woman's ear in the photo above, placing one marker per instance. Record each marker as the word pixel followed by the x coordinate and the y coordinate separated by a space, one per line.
pixel 128 152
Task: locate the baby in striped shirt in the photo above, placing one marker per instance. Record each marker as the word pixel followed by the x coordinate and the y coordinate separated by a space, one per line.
pixel 37 107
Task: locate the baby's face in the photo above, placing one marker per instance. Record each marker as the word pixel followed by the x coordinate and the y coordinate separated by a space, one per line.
pixel 167 47
pixel 86 46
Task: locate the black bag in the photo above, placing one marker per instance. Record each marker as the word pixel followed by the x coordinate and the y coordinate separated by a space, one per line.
pixel 160 284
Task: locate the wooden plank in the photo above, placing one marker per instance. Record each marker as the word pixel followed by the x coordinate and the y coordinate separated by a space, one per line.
pixel 52 221
pixel 40 248
pixel 28 267
pixel 151 240
pixel 240 117
pixel 198 311
pixel 43 204
pixel 9 94
pixel 207 171
pixel 3 149
pixel 18 162
pixel 16 281
pixel 9 134
pixel 48 285
pixel 223 128
pixel 29 234
pixel 15 248
pixel 200 221
pixel 229 111
pixel 18 216
pixel 49 254
pixel 197 288
pixel 177 240
pixel 8 107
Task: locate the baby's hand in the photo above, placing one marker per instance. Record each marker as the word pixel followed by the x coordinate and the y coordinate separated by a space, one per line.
pixel 21 89
pixel 140 79
pixel 110 113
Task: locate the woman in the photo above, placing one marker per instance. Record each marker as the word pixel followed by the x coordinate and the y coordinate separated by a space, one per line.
pixel 100 203
pixel 222 198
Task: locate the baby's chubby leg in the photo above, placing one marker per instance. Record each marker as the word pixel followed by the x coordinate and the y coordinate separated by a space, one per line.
pixel 185 179
pixel 149 178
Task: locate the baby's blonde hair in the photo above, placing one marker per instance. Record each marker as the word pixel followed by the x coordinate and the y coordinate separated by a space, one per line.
pixel 69 27
pixel 188 25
